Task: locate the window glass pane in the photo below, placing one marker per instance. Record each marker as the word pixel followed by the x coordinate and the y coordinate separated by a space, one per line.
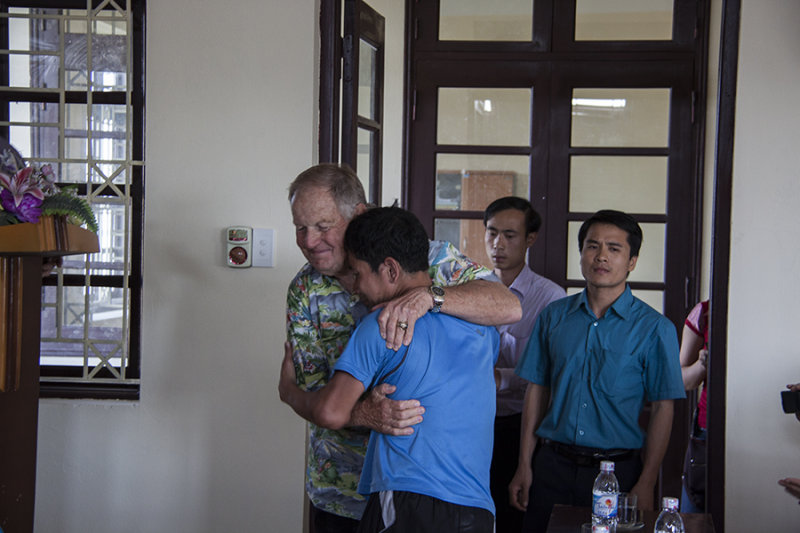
pixel 40 71
pixel 473 190
pixel 620 117
pixel 64 324
pixel 484 116
pixel 502 175
pixel 479 20
pixel 654 299
pixel 649 266
pixel 23 138
pixel 367 61
pixel 108 132
pixel 105 173
pixel 107 312
pixel 366 147
pixel 75 119
pixel 72 172
pixel 33 34
pixel 109 52
pixel 626 183
pixel 113 237
pixel 105 355
pixel 109 143
pixel 108 122
pixel 466 235
pixel 623 20
pixel 72 312
pixel 447 229
pixel 42 36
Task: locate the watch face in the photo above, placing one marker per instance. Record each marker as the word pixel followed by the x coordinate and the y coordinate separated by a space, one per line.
pixel 438 298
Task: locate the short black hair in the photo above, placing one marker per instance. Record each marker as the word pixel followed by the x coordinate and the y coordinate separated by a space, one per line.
pixel 619 219
pixel 533 221
pixel 388 232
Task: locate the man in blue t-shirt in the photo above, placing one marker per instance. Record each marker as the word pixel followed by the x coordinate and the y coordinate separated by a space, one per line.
pixel 592 360
pixel 437 478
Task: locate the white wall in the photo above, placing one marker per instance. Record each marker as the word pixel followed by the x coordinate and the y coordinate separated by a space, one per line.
pixel 231 119
pixel 763 444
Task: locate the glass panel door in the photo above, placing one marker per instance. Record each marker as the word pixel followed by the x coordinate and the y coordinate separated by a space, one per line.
pixel 481 142
pixel 611 123
pixel 362 94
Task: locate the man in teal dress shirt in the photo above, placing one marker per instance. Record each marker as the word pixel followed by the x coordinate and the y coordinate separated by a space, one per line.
pixel 593 359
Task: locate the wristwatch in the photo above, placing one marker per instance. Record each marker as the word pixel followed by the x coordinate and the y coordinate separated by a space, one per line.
pixel 438 298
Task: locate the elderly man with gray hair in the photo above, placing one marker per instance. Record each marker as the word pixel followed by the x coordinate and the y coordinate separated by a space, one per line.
pixel 322 312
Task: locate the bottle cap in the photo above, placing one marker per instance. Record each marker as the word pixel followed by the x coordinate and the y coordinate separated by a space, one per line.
pixel 607 466
pixel 669 503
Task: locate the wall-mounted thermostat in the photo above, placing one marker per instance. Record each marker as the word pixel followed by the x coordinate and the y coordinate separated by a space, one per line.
pixel 239 246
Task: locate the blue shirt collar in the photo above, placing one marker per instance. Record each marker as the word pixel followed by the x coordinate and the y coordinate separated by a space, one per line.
pixel 621 306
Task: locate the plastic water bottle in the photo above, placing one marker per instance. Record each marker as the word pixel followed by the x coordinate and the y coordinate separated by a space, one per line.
pixel 669 521
pixel 604 497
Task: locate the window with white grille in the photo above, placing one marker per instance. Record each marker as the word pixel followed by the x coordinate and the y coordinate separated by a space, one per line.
pixel 72 95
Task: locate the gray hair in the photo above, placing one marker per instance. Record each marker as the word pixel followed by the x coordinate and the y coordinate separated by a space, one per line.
pixel 339 180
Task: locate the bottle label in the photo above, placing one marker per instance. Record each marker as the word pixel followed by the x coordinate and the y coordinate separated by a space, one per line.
pixel 604 504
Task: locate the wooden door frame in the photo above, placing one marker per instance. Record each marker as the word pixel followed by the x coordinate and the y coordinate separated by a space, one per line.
pixel 720 259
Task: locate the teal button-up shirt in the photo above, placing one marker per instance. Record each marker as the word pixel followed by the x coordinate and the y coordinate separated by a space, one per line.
pixel 601 371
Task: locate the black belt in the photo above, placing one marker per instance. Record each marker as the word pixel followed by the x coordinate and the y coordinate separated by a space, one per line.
pixel 584 456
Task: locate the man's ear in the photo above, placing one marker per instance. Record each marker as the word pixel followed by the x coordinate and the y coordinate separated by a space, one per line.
pixel 392 269
pixel 531 238
pixel 632 263
pixel 360 208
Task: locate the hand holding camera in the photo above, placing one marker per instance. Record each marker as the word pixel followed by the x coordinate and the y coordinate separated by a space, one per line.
pixel 790 399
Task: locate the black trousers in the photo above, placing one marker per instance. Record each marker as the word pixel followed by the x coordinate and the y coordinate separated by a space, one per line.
pixel 410 512
pixel 557 479
pixel 504 466
pixel 325 522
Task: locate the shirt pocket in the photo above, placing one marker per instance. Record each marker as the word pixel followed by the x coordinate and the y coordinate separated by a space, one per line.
pixel 617 373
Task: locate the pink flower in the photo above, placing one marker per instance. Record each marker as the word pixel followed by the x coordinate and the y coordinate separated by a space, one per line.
pixel 21 184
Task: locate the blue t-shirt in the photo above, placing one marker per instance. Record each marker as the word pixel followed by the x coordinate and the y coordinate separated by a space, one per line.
pixel 449 369
pixel 600 371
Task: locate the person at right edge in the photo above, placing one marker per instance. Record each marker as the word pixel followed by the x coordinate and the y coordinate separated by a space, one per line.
pixel 592 360
pixel 694 352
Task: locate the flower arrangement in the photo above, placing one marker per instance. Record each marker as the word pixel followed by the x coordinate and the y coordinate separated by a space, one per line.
pixel 30 192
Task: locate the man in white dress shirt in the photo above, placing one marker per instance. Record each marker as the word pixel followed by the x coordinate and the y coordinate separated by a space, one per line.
pixel 512 226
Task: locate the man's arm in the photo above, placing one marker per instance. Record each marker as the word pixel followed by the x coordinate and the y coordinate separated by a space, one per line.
pixel 376 411
pixel 392 417
pixel 328 407
pixel 479 301
pixel 693 359
pixel 658 431
pixel 537 399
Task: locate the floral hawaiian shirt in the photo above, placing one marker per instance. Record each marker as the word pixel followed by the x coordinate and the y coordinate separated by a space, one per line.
pixel 321 315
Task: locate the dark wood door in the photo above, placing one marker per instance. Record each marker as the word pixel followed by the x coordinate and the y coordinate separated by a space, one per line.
pixel 20 316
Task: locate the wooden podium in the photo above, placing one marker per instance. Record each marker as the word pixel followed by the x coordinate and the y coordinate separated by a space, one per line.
pixel 23 247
